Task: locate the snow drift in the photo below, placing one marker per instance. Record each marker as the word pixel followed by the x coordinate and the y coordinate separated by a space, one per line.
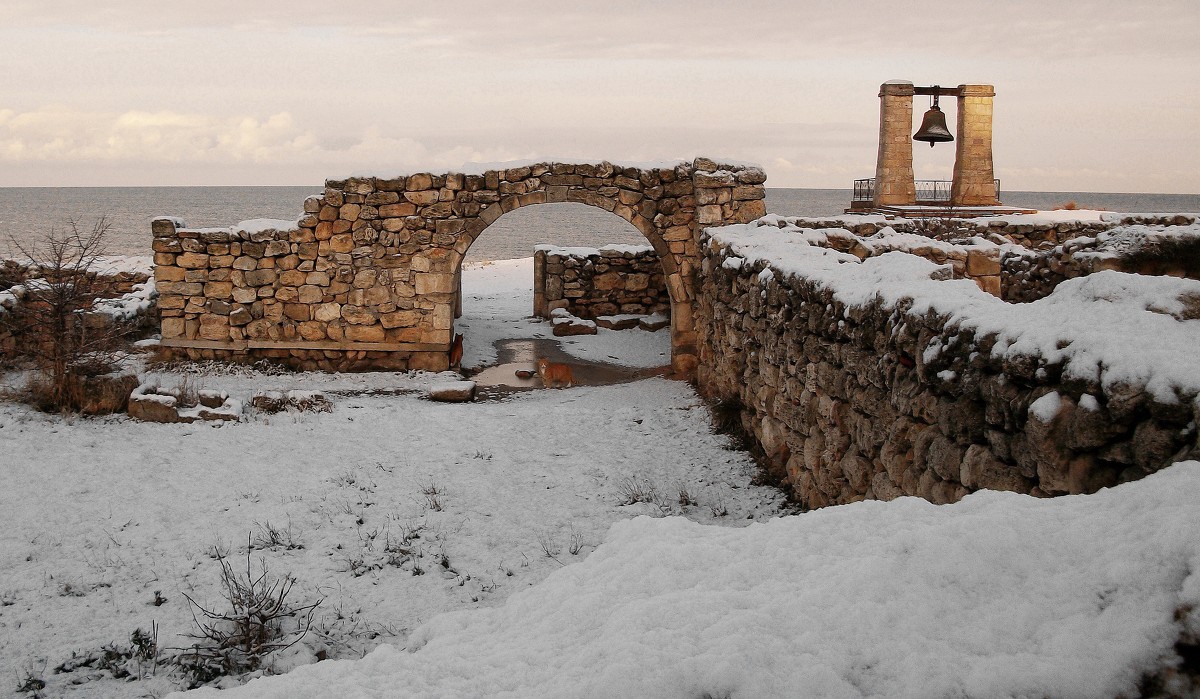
pixel 997 595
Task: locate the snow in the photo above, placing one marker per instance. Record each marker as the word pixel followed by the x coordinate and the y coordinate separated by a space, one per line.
pixel 111 265
pixel 578 251
pixel 253 226
pixel 1046 407
pixel 481 168
pixel 129 306
pixel 498 303
pixel 1109 327
pixel 260 225
pixel 997 595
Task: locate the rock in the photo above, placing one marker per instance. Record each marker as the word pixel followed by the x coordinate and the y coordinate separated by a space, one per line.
pixel 453 392
pixel 654 322
pixel 570 325
pixel 982 470
pixel 619 322
pixel 151 404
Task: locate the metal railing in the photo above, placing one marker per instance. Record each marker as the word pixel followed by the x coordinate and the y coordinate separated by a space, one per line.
pixel 928 191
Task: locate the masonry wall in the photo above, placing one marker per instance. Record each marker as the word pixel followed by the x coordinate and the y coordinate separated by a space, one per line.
pixel 588 283
pixel 368 277
pixel 124 296
pixel 876 401
pixel 1172 251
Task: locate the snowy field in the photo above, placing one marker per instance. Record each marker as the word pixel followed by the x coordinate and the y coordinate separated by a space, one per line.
pixel 100 517
pixel 483 550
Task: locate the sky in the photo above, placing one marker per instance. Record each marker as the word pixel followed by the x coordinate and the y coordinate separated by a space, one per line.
pixel 1091 96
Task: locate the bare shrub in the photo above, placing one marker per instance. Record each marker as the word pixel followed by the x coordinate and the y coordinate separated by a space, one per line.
pixel 272 537
pixel 718 507
pixel 634 490
pixel 576 542
pixel 187 392
pixel 433 496
pixel 29 681
pixel 686 498
pixel 260 620
pixel 116 660
pixel 547 543
pixel 54 332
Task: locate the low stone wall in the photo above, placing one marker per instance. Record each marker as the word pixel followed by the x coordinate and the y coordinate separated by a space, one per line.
pixel 591 282
pixel 123 286
pixel 977 260
pixel 870 379
pixel 1172 251
pixel 1032 232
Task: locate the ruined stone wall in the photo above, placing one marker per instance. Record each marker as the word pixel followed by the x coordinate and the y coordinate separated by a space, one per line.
pixel 368 277
pixel 1022 262
pixel 979 261
pixel 123 292
pixel 1042 235
pixel 1172 251
pixel 876 400
pixel 589 282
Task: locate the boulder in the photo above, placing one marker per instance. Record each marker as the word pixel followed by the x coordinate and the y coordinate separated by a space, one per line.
pixel 453 391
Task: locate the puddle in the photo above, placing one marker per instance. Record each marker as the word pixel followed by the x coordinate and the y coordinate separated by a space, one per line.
pixel 522 354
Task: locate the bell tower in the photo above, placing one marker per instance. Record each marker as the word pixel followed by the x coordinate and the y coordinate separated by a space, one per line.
pixel 973 184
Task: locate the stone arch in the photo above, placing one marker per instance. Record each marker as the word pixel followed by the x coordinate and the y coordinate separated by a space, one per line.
pixel 644 226
pixel 682 341
pixel 367 278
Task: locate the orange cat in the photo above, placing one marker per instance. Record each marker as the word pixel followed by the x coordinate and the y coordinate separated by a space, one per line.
pixel 456 350
pixel 554 374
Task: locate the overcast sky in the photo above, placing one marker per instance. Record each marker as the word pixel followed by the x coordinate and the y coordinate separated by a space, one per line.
pixel 1091 96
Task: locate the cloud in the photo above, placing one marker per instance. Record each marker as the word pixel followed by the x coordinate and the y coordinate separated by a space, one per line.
pixel 62 136
pixel 669 29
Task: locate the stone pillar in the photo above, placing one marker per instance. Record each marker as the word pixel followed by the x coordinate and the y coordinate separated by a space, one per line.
pixel 894 181
pixel 973 177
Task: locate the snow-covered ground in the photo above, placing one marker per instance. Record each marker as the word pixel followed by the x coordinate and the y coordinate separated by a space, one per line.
pixel 99 517
pixel 998 595
pixel 510 511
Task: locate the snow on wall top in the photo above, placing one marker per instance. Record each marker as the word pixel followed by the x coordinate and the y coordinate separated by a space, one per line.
pixel 480 168
pixel 578 251
pixel 249 227
pixel 1109 327
pixel 1127 240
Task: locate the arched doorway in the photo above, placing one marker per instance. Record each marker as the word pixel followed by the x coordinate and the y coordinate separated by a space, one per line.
pixel 609 285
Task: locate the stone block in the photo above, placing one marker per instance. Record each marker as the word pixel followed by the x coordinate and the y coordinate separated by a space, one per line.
pixel 710 214
pixel 192 260
pixel 214 327
pixel 453 391
pixel 310 294
pixel 168 274
pixel 365 333
pixel 357 315
pixel 422 198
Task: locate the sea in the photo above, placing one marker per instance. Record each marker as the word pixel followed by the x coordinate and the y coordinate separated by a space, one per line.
pixel 27 214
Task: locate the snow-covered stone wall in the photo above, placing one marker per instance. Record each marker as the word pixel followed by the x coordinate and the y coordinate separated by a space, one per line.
pixel 594 282
pixel 123 284
pixel 884 376
pixel 1172 251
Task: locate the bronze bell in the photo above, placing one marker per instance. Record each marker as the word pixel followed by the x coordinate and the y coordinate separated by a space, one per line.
pixel 933 126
